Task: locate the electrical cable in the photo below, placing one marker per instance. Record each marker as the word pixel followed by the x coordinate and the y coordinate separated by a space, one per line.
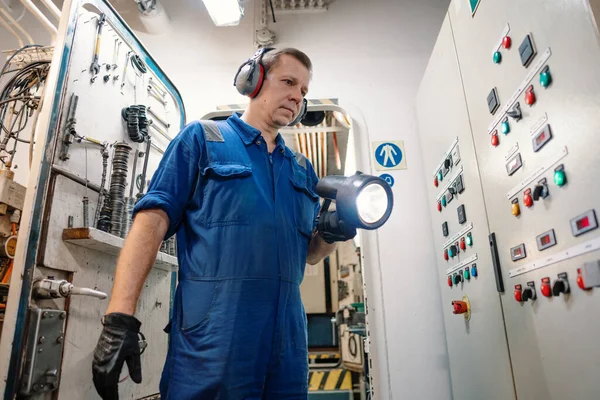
pixel 272 10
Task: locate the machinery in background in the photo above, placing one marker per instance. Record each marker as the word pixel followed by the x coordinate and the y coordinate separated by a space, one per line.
pixel 509 146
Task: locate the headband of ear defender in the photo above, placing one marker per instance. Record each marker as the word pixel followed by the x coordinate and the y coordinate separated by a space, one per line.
pixel 251 75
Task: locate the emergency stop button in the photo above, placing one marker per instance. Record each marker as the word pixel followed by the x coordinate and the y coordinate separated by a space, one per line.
pixel 460 307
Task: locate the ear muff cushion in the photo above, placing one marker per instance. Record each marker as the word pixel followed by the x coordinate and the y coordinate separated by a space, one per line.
pixel 257 80
pixel 242 83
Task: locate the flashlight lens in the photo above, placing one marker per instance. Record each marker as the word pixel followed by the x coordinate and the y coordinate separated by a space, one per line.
pixel 372 203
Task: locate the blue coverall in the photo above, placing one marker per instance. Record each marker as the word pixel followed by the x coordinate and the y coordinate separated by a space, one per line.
pixel 243 219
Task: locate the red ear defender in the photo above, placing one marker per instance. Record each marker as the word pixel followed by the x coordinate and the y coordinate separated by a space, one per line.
pixel 261 79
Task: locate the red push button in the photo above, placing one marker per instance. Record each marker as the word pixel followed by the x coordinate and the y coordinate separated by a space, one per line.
pixel 450 281
pixel 460 307
pixel 463 245
pixel 530 95
pixel 446 256
pixel 435 181
pixel 495 140
pixel 546 289
pixel 580 281
pixel 527 199
pixel 518 293
pixel 506 42
pixel 439 206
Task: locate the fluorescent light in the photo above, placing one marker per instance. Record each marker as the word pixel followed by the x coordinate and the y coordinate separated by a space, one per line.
pixel 225 12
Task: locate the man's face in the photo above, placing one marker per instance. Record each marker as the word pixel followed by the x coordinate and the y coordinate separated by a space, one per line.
pixel 280 98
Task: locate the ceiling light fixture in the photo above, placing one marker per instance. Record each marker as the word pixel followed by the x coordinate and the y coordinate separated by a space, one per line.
pixel 225 12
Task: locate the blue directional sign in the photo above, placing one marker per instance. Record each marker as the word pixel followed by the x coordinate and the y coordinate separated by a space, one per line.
pixel 388 178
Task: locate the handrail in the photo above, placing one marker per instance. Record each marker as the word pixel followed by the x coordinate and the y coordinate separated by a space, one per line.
pixel 40 17
pixel 11 30
pixel 17 25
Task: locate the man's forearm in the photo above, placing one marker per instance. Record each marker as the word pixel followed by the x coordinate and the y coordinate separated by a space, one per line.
pixel 318 249
pixel 136 259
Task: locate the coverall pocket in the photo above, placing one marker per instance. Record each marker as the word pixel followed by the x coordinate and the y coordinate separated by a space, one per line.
pixel 198 300
pixel 229 194
pixel 305 201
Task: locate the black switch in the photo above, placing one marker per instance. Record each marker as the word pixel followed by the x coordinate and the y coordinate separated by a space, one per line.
pixel 457 279
pixel 447 162
pixel 537 192
pixel 515 113
pixel 462 216
pixel 492 101
pixel 453 250
pixel 445 229
pixel 526 51
pixel 528 294
pixel 561 285
pixel 458 185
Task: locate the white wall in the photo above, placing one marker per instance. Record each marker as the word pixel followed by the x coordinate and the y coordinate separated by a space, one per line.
pixel 372 55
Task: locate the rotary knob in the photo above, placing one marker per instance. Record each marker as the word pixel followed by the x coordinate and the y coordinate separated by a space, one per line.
pixel 529 293
pixel 561 285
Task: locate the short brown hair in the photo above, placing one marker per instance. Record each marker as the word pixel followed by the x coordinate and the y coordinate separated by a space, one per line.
pixel 271 58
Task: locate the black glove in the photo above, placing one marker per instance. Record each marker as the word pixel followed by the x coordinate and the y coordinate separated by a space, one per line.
pixel 332 229
pixel 118 343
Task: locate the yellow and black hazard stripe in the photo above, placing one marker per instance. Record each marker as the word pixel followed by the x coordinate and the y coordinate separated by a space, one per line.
pixel 334 379
pixel 241 107
pixel 319 358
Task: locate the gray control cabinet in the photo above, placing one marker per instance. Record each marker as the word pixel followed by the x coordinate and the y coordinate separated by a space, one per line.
pixel 530 164
pixel 479 358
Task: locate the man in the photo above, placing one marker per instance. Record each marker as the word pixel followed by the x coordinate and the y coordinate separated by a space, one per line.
pixel 244 209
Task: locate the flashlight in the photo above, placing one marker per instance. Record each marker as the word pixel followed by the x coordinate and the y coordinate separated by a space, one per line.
pixel 362 201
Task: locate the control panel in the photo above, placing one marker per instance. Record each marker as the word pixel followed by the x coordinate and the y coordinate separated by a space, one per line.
pixel 527 74
pixel 477 344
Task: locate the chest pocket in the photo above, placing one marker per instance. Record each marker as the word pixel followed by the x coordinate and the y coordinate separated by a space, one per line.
pixel 305 200
pixel 229 194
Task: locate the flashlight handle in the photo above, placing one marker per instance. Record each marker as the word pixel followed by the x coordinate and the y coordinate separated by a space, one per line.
pixel 327 186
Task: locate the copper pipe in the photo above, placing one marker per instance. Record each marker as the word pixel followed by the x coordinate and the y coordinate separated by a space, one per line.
pixel 338 162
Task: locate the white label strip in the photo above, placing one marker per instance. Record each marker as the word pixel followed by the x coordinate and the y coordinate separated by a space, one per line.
pixel 446 154
pixel 457 236
pixel 504 33
pixel 534 70
pixel 538 125
pixel 582 248
pixel 450 183
pixel 462 264
pixel 512 151
pixel 514 191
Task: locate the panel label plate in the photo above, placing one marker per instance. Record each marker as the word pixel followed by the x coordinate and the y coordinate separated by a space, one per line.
pixel 577 250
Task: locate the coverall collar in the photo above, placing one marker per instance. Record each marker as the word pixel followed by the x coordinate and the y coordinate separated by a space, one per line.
pixel 248 133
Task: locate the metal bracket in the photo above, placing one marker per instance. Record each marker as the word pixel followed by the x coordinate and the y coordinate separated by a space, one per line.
pixel 69 130
pixel 44 350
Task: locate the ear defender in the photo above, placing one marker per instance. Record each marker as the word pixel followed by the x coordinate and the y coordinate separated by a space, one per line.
pixel 250 76
pixel 301 115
